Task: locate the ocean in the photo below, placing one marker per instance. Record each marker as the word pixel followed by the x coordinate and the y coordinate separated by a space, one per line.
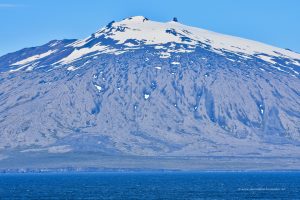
pixel 151 185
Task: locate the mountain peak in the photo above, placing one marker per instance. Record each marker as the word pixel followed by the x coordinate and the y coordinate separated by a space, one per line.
pixel 136 19
pixel 139 32
pixel 165 38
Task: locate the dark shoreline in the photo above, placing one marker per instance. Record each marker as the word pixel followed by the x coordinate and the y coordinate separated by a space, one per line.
pixel 136 171
pixel 93 162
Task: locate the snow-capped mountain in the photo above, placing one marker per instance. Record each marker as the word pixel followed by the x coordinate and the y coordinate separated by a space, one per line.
pixel 143 88
pixel 141 33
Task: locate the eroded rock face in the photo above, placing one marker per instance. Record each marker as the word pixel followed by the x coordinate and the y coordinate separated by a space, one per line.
pixel 139 87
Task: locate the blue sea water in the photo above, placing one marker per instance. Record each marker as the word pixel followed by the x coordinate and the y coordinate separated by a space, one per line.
pixel 152 185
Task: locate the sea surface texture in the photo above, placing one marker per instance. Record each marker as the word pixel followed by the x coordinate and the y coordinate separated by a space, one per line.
pixel 160 185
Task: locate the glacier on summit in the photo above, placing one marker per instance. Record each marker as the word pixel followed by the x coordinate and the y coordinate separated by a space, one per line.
pixel 143 88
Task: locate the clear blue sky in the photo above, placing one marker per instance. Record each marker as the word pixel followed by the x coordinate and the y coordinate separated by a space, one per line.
pixel 25 23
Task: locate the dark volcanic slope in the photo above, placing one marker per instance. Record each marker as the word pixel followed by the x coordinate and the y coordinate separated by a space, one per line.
pixel 126 91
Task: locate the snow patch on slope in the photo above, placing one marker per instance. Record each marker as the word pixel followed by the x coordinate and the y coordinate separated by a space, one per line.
pixel 76 54
pixel 72 68
pixel 34 58
pixel 98 87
